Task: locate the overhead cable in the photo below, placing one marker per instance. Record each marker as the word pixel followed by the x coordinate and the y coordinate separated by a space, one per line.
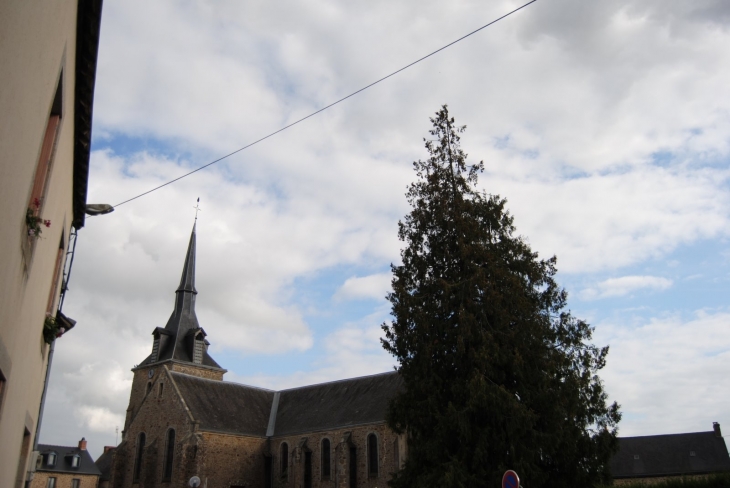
pixel 327 106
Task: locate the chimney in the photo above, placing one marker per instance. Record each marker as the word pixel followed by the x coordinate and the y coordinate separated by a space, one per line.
pixel 109 448
pixel 82 444
pixel 716 428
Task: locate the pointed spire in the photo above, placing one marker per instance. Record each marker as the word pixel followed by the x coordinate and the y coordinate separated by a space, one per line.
pixel 183 318
pixel 187 280
pixel 177 341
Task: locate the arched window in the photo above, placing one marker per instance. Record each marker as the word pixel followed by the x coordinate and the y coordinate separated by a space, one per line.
pixel 169 454
pixel 285 461
pixel 149 387
pixel 138 457
pixel 372 455
pixel 326 463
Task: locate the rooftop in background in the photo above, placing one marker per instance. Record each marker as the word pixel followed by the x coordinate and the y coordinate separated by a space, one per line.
pixel 63 462
pixel 104 463
pixel 671 455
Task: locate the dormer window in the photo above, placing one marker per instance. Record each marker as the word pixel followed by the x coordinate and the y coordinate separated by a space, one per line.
pixel 75 460
pixel 51 459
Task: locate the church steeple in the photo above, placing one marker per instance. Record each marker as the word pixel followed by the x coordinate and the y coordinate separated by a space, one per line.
pixel 187 280
pixel 183 317
pixel 182 339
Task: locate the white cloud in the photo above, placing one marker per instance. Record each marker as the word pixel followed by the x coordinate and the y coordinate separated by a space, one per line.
pixel 568 104
pixel 351 351
pixel 99 419
pixel 669 375
pixel 372 287
pixel 616 287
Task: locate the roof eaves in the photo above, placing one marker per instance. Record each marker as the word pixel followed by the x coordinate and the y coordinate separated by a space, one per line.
pixel 177 361
pixel 231 432
pixel 87 48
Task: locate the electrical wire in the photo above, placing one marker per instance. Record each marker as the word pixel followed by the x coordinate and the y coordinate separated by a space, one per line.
pixel 327 106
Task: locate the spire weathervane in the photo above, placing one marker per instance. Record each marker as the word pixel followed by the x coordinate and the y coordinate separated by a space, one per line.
pixel 197 209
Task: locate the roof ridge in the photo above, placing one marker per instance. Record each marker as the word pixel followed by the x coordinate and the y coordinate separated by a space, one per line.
pixel 57 445
pixel 669 435
pixel 339 381
pixel 221 382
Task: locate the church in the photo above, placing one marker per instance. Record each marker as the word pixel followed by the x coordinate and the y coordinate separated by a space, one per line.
pixel 185 421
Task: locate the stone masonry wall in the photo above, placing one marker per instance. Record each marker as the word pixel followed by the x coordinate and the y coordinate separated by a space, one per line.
pixel 156 415
pixel 340 442
pixel 230 460
pixel 200 372
pixel 142 382
pixel 63 480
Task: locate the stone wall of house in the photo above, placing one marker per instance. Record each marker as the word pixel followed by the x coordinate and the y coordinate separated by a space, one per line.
pixel 657 480
pixel 144 381
pixel 392 451
pixel 232 460
pixel 155 416
pixel 63 480
pixel 201 372
pixel 141 382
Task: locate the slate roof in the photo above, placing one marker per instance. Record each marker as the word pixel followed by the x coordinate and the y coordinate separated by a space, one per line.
pixel 175 343
pixel 63 461
pixel 104 464
pixel 226 407
pixel 337 404
pixel 666 455
pixel 221 406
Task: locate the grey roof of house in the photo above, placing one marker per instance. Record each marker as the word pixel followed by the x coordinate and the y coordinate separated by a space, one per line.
pixel 63 461
pixel 104 464
pixel 334 405
pixel 221 406
pixel 665 455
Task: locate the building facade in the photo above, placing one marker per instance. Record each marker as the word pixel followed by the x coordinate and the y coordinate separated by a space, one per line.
pixel 48 58
pixel 185 421
pixel 65 467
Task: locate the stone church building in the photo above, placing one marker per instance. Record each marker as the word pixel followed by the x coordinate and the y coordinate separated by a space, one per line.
pixel 184 420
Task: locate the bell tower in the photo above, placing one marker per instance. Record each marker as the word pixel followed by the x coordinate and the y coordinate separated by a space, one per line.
pixel 180 346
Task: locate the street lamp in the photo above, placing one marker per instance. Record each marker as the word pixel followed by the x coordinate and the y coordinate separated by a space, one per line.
pixel 98 209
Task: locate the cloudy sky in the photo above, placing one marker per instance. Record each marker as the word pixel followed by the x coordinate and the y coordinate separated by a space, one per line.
pixel 605 124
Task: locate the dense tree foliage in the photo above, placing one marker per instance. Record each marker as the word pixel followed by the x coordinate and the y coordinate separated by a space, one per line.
pixel 498 375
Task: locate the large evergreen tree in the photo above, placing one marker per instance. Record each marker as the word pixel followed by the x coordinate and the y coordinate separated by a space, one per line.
pixel 498 375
